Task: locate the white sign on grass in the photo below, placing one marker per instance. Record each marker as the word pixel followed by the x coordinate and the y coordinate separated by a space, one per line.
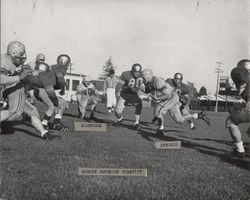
pixel 168 145
pixel 111 172
pixel 88 126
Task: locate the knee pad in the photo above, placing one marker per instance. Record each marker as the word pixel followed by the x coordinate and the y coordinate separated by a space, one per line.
pixel 229 123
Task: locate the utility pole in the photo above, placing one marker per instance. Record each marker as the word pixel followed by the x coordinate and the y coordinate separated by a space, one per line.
pixel 218 71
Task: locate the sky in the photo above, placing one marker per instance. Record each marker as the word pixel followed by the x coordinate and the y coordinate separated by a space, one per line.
pixel 168 36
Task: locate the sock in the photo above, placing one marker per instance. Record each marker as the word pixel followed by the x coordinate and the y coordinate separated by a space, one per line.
pixel 239 147
pixel 192 125
pixel 120 118
pixel 57 119
pixel 195 115
pixel 46 119
pixel 137 118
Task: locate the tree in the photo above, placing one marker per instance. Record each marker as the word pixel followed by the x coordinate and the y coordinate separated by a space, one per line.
pixel 106 68
pixel 203 91
pixel 193 94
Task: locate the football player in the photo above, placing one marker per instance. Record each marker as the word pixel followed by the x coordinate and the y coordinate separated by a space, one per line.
pixel 133 81
pixel 40 58
pixel 109 90
pixel 43 87
pixel 49 81
pixel 182 90
pixel 13 76
pixel 241 78
pixel 165 99
pixel 86 93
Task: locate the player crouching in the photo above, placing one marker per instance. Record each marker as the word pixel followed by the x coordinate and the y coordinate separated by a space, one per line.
pixel 86 93
pixel 49 87
pixel 165 99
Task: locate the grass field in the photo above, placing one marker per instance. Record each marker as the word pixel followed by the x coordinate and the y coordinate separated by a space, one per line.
pixel 35 169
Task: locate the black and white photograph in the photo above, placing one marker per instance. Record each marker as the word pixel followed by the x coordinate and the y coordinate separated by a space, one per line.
pixel 125 100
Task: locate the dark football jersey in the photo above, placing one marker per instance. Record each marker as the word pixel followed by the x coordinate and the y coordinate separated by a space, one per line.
pixel 57 74
pixel 42 80
pixel 51 78
pixel 131 84
pixel 241 76
pixel 183 88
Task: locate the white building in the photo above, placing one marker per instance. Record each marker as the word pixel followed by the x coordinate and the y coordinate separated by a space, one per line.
pixel 72 81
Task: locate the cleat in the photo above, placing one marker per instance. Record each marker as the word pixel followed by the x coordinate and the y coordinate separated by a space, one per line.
pixel 238 154
pixel 92 118
pixel 193 128
pixel 154 120
pixel 137 127
pixel 59 127
pixel 85 119
pixel 119 121
pixel 160 132
pixel 48 136
pixel 157 121
pixel 202 115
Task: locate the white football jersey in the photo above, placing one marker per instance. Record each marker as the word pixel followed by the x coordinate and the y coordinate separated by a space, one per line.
pixel 85 91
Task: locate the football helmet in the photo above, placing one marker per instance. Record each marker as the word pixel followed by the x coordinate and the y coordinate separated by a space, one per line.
pixel 40 58
pixel 136 70
pixel 244 64
pixel 86 80
pixel 111 71
pixel 16 50
pixel 147 75
pixel 136 67
pixel 43 67
pixel 178 76
pixel 63 60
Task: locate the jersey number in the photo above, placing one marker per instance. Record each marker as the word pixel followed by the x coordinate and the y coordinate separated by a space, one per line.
pixel 86 92
pixel 135 83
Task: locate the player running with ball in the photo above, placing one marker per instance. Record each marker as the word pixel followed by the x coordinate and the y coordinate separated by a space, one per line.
pixel 165 99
